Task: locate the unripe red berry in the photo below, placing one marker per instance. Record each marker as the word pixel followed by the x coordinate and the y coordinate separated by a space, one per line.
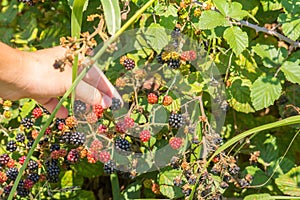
pixel 167 100
pixel 152 98
pixel 175 142
pixel 145 135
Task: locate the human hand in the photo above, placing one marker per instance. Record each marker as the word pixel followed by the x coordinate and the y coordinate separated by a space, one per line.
pixel 37 79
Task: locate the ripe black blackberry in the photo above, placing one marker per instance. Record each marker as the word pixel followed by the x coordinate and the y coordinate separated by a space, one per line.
pixel 21 191
pixel 4 159
pixel 129 64
pixel 234 170
pixel 7 189
pixel 79 107
pixel 53 172
pixel 11 146
pixel 65 138
pixel 176 120
pixel 159 58
pixel 29 144
pixel 54 147
pixel 77 138
pixel 115 104
pixel 174 63
pixel 27 122
pixel 187 192
pixel 32 165
pixel 33 177
pixel 175 34
pixel 109 167
pixel 20 137
pixel 45 111
pixel 12 173
pixel 122 144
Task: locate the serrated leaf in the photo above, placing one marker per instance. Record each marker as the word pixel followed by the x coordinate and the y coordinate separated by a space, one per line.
pixel 169 17
pixel 264 91
pixel 271 57
pixel 239 95
pixel 292 29
pixel 210 19
pixel 166 184
pixel 236 38
pixel 157 37
pixel 112 15
pixel 289 183
pixel 268 149
pixel 259 197
pixel 233 10
pixel 291 71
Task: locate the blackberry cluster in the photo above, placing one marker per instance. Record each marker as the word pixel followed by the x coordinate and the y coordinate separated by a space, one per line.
pixel 54 147
pixel 79 107
pixel 52 171
pixel 27 122
pixel 33 177
pixel 65 138
pixel 7 189
pixel 174 63
pixel 116 104
pixel 175 34
pixel 110 167
pixel 12 173
pixel 11 146
pixel 32 165
pixel 77 138
pixel 129 64
pixel 21 190
pixel 122 144
pixel 4 159
pixel 176 120
pixel 20 137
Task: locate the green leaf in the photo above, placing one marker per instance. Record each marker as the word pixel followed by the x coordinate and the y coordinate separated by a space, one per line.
pixel 211 19
pixel 169 17
pixel 290 25
pixel 70 179
pixel 268 149
pixel 259 177
pixel 133 190
pixel 157 37
pixel 291 71
pixel 89 170
pixel 76 18
pixel 237 39
pixel 112 15
pixel 289 183
pixel 166 184
pixel 264 91
pixel 271 57
pixel 27 108
pixel 280 166
pixel 259 197
pixel 239 95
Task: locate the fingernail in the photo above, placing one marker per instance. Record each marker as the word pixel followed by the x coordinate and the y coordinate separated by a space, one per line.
pixel 106 101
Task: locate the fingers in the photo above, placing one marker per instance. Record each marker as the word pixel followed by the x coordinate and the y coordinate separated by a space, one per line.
pixel 50 105
pixel 91 95
pixel 97 78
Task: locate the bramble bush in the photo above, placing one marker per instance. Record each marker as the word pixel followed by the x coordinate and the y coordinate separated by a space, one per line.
pixel 208 104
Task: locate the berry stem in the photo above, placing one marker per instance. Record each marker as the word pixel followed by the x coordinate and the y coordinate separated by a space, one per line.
pixel 115 186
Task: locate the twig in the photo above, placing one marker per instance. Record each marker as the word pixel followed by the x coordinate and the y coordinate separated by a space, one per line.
pixel 294 44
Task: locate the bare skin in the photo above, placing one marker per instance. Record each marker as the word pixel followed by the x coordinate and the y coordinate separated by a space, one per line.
pixel 32 75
